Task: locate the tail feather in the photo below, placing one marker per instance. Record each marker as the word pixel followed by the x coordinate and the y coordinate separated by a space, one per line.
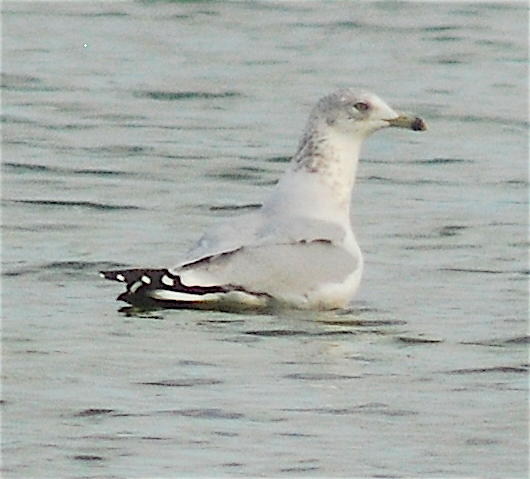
pixel 159 288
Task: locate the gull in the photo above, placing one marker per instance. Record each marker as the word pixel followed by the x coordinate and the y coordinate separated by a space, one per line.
pixel 298 250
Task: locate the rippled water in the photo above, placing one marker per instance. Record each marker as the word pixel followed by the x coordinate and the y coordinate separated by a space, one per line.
pixel 129 128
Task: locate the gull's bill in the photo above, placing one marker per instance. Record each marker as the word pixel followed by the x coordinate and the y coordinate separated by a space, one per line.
pixel 409 122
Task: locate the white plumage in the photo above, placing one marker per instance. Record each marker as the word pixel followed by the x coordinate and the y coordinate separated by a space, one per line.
pixel 299 249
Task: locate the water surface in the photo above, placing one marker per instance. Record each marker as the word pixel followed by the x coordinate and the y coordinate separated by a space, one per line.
pixel 131 127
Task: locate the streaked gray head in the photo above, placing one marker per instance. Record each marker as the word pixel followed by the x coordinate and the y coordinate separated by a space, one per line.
pixel 359 113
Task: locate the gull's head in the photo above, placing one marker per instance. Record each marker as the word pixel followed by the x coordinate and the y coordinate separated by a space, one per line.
pixel 359 114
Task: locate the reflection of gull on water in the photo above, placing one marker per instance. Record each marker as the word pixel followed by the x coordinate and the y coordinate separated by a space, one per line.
pixel 299 249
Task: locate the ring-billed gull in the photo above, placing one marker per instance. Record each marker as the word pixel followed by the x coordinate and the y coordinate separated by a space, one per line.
pixel 299 249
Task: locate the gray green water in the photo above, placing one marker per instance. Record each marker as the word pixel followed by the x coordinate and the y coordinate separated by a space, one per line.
pixel 128 128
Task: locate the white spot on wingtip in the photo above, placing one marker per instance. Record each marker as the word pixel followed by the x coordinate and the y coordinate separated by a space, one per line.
pixel 167 280
pixel 120 277
pixel 134 287
pixel 146 279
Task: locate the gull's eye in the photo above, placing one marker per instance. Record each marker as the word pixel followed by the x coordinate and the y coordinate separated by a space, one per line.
pixel 362 106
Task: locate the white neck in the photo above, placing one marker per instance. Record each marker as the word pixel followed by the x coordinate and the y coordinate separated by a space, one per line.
pixel 320 181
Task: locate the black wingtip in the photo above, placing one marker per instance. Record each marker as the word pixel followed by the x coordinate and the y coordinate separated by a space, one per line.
pixel 113 275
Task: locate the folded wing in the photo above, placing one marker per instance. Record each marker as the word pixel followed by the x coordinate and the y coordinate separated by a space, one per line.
pixel 295 274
